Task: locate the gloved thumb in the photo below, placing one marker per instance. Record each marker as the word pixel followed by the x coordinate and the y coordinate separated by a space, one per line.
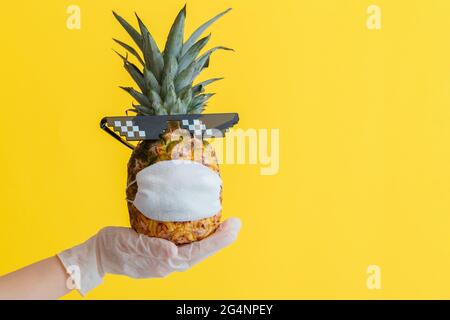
pixel 225 235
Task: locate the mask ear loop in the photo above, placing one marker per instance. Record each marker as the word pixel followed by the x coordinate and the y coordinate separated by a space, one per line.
pixel 128 185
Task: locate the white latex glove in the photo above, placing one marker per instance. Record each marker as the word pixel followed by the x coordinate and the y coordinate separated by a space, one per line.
pixel 122 251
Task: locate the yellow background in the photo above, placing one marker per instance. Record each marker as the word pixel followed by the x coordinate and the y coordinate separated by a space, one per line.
pixel 364 119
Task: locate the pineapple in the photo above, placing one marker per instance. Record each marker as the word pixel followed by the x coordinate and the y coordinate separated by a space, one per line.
pixel 166 87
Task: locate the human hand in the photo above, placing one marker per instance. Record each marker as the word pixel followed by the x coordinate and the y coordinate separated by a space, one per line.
pixel 119 250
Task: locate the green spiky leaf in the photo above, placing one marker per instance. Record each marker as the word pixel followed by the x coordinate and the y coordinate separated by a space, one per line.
pixel 170 69
pixel 203 60
pixel 198 101
pixel 169 73
pixel 150 82
pixel 183 91
pixel 178 107
pixel 170 98
pixel 186 96
pixel 186 77
pixel 131 31
pixel 157 103
pixel 197 33
pixel 193 52
pixel 152 58
pixel 134 72
pixel 143 110
pixel 152 55
pixel 209 81
pixel 162 111
pixel 130 110
pixel 155 98
pixel 200 87
pixel 124 58
pixel 199 108
pixel 189 74
pixel 174 42
pixel 131 50
pixel 139 97
pixel 143 28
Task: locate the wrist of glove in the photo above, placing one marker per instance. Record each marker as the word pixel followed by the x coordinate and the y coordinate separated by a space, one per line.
pixel 119 250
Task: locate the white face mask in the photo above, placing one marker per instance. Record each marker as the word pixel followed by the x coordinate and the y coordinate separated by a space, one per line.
pixel 178 190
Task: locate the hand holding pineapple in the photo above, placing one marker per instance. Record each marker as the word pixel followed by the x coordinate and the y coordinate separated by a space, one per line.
pixel 122 251
pixel 112 250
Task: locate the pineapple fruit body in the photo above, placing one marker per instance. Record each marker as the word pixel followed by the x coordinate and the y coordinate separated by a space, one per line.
pixel 148 153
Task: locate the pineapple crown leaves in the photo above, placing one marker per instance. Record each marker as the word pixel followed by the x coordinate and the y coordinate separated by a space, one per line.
pixel 166 80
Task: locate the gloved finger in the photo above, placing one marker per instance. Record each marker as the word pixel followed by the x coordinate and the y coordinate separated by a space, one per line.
pixel 156 254
pixel 128 241
pixel 166 253
pixel 156 248
pixel 225 235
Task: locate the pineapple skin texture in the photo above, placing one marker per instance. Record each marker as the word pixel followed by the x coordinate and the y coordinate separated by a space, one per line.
pixel 147 153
